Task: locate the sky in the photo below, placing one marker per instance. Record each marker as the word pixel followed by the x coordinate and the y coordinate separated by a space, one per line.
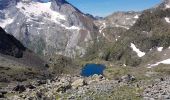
pixel 104 8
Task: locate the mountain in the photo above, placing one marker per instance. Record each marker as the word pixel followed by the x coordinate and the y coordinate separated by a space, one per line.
pixel 54 27
pixel 144 43
pixel 132 47
pixel 112 26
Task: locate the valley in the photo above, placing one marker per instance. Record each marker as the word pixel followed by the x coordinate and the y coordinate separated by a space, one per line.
pixel 53 51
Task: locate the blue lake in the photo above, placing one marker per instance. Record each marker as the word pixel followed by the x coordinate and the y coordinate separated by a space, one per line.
pixel 91 69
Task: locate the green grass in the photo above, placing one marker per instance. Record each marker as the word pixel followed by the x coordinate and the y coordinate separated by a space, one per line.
pixel 127 93
pixel 162 69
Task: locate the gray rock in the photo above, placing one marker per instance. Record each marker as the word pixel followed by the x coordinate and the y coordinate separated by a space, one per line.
pixel 78 83
pixel 69 35
pixel 127 78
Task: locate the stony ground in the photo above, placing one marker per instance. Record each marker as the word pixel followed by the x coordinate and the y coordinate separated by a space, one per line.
pixel 159 90
pixel 96 87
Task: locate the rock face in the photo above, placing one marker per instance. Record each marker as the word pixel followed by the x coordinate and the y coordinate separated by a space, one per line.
pixel 54 27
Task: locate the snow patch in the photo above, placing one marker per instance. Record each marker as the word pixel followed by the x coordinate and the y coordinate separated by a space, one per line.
pixel 128 18
pixel 167 6
pixel 136 17
pixel 103 26
pixel 159 49
pixel 122 26
pixel 71 28
pixel 40 9
pixel 167 19
pixel 167 62
pixel 104 34
pixel 139 53
pixel 124 65
pixel 5 22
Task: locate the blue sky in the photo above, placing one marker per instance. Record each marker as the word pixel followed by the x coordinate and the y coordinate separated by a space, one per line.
pixel 106 7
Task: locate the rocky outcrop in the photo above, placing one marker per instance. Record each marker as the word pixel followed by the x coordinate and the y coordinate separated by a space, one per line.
pixel 67 87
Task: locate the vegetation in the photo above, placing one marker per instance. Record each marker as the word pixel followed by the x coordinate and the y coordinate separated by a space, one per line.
pixel 127 93
pixel 162 69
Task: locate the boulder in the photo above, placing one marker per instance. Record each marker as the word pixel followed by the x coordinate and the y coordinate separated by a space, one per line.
pixel 64 85
pixel 127 78
pixel 78 83
pixel 19 88
pixel 1 95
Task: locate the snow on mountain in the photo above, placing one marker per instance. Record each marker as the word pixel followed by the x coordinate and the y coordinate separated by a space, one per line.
pixel 54 27
pixel 167 4
pixel 167 19
pixel 136 16
pixel 5 22
pixel 121 26
pixel 139 53
pixel 40 9
pixel 159 49
pixel 113 25
pixel 167 62
pixel 122 19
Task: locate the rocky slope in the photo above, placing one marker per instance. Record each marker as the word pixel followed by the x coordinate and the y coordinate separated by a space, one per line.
pixel 17 63
pixel 54 27
pixel 11 48
pixel 112 26
pixel 70 87
pixel 96 87
pixel 145 42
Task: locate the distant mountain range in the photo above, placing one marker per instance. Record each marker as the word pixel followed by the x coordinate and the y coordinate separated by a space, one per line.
pixel 136 38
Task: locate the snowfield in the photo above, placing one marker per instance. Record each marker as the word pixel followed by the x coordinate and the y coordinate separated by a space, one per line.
pixel 167 61
pixel 139 53
pixel 40 9
pixel 167 19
